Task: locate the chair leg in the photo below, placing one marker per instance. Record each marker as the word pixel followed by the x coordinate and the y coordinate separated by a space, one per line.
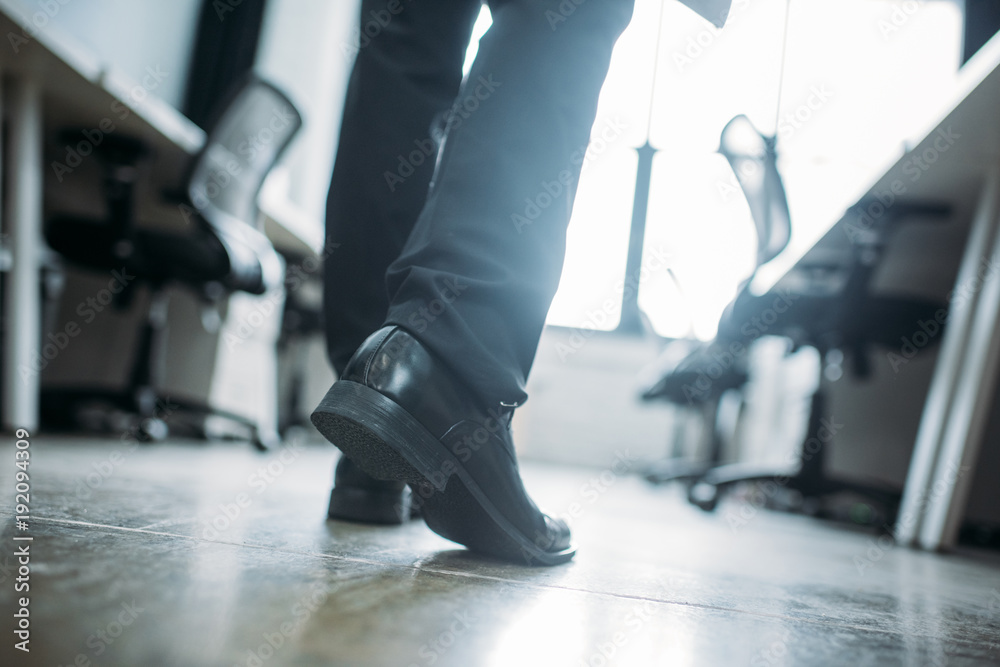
pixel 807 477
pixel 147 369
pixel 147 376
pixel 679 469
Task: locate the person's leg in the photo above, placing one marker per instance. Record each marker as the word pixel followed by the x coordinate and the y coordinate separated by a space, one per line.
pixel 478 273
pixel 426 398
pixel 406 73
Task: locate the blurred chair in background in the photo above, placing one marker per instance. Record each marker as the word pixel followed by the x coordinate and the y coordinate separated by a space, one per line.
pixel 832 310
pixel 703 373
pixel 835 311
pixel 223 250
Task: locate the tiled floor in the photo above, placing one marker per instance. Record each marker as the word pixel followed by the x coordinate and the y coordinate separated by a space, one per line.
pixel 186 554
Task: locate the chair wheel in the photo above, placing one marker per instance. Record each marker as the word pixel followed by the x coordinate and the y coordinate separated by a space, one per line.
pixel 704 496
pixel 151 429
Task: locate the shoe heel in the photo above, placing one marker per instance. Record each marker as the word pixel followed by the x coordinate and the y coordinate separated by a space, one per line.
pixel 376 433
pixel 364 506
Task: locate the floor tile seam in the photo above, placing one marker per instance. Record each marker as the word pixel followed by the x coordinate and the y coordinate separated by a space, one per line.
pixel 517 582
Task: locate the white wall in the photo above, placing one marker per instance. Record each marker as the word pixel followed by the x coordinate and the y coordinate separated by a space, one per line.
pixel 303 50
pixel 130 35
pixel 583 406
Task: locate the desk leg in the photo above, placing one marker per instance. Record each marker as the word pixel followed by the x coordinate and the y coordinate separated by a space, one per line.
pixel 963 439
pixel 24 223
pixel 958 401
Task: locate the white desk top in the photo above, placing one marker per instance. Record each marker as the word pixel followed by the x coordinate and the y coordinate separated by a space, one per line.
pixel 946 164
pixel 66 69
pixel 80 91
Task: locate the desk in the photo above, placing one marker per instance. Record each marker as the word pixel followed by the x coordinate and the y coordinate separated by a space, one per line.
pixel 49 83
pixel 956 162
pixel 46 82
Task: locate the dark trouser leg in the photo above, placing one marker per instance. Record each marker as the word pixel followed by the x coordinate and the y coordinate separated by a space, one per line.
pixel 478 272
pixel 403 76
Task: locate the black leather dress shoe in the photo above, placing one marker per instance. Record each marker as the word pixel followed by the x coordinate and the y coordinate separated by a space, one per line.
pixel 399 414
pixel 359 497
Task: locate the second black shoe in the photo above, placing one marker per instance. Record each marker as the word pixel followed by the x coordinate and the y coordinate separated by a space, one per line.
pixel 400 414
pixel 359 497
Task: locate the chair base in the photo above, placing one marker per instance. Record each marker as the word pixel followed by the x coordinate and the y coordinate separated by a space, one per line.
pixel 676 470
pixel 142 415
pixel 790 490
pixel 803 487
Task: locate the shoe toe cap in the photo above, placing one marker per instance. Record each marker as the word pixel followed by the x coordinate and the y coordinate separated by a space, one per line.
pixel 559 535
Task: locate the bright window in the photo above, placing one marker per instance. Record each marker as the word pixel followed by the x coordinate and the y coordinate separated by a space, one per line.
pixel 861 77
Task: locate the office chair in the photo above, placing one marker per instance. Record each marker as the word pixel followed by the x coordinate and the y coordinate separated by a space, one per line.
pixel 833 311
pixel 700 377
pixel 223 250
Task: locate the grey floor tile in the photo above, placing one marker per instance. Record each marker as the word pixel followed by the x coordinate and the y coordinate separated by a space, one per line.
pixel 219 544
pixel 130 598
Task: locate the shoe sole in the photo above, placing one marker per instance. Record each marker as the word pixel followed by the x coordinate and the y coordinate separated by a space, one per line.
pixel 387 442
